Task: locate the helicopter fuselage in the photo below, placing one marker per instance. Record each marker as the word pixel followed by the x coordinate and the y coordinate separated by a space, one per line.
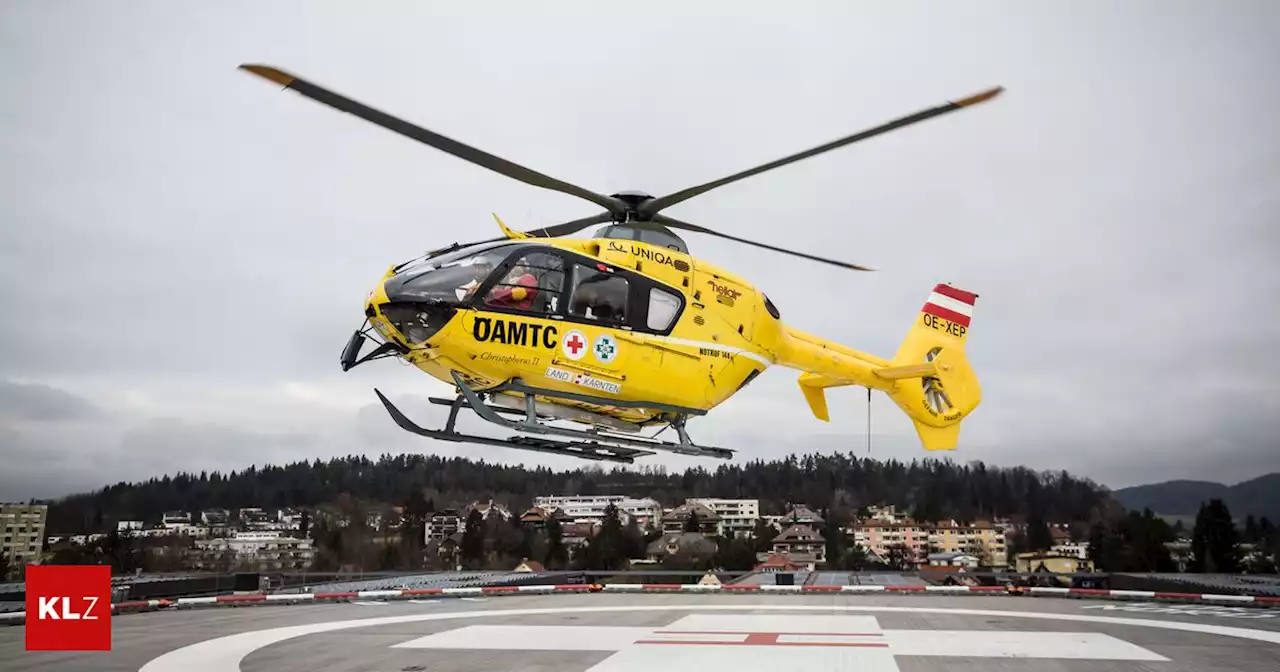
pixel 680 335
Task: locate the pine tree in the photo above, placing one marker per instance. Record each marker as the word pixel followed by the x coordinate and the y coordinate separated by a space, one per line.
pixel 692 523
pixel 855 559
pixel 734 554
pixel 762 536
pixel 1213 540
pixel 473 535
pixel 1146 536
pixel 604 550
pixel 557 556
pixel 1038 536
pixel 1106 548
pixel 834 537
pixel 633 545
pixel 1251 534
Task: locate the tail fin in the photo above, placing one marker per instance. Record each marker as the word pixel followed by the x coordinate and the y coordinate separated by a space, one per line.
pixel 939 401
pixel 929 378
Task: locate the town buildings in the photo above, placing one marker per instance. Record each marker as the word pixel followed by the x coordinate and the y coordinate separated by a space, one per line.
pixel 738 517
pixel 22 534
pixel 590 508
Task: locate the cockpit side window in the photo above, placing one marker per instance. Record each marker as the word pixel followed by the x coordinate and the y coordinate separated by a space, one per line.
pixel 534 283
pixel 663 308
pixel 598 296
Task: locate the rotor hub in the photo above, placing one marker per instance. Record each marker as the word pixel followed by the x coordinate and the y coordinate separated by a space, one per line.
pixel 633 200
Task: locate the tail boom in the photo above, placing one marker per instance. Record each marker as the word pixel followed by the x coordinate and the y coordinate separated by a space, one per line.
pixel 929 377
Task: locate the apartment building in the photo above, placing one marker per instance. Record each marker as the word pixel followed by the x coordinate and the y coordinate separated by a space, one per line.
pixel 980 539
pixel 590 508
pixel 22 533
pixel 1075 549
pixel 881 536
pixel 886 514
pixel 675 520
pixel 175 519
pixel 444 524
pixel 737 516
pixel 265 550
pixel 800 544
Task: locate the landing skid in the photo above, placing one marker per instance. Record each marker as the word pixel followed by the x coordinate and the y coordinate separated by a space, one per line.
pixel 592 444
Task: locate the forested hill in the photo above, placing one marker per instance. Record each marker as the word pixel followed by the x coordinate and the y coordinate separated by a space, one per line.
pixel 930 489
pixel 1258 497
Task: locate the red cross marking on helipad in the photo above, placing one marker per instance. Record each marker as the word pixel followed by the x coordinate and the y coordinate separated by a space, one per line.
pixel 771 638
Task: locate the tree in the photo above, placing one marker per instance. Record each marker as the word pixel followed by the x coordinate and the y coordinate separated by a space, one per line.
pixel 473 540
pixel 841 480
pixel 651 532
pixel 389 557
pixel 557 556
pixel 1146 537
pixel 1213 540
pixel 604 550
pixel 1251 534
pixel 762 536
pixel 1106 548
pixel 834 537
pixel 1038 536
pixel 692 523
pixel 855 559
pixel 900 557
pixel 633 540
pixel 1015 542
pixel 4 566
pixel 734 554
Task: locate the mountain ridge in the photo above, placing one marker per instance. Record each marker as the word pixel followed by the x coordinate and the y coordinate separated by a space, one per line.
pixel 1258 496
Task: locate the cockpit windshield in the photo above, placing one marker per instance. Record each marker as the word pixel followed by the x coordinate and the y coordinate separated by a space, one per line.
pixel 449 278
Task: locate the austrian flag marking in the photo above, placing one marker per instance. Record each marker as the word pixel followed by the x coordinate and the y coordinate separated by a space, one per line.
pixel 951 304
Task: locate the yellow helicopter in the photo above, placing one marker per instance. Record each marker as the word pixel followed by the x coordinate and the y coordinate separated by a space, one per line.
pixel 626 331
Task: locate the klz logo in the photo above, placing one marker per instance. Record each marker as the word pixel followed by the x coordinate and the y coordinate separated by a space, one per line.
pixel 68 608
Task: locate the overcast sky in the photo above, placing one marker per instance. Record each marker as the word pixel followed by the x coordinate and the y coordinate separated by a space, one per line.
pixel 184 248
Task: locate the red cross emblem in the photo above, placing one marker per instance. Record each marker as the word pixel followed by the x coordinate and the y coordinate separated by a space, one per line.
pixel 575 344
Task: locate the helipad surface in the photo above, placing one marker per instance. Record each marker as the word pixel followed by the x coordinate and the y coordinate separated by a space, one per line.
pixel 707 633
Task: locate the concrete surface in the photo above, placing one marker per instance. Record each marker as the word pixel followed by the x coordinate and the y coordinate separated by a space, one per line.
pixel 603 632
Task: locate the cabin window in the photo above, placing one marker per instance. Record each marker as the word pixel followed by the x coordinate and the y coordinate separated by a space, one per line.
pixel 534 284
pixel 663 307
pixel 598 295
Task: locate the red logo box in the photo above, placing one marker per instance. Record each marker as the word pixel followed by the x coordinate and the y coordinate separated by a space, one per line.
pixel 68 608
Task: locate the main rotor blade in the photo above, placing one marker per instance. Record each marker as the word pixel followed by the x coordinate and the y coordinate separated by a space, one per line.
pixel 570 227
pixel 652 207
pixel 677 224
pixel 430 138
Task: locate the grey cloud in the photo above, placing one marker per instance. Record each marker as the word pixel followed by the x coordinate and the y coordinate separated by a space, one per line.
pixel 171 220
pixel 38 402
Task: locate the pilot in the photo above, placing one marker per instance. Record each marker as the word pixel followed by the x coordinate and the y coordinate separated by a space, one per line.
pixel 517 290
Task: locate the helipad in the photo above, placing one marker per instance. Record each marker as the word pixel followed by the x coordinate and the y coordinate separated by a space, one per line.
pixel 708 633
